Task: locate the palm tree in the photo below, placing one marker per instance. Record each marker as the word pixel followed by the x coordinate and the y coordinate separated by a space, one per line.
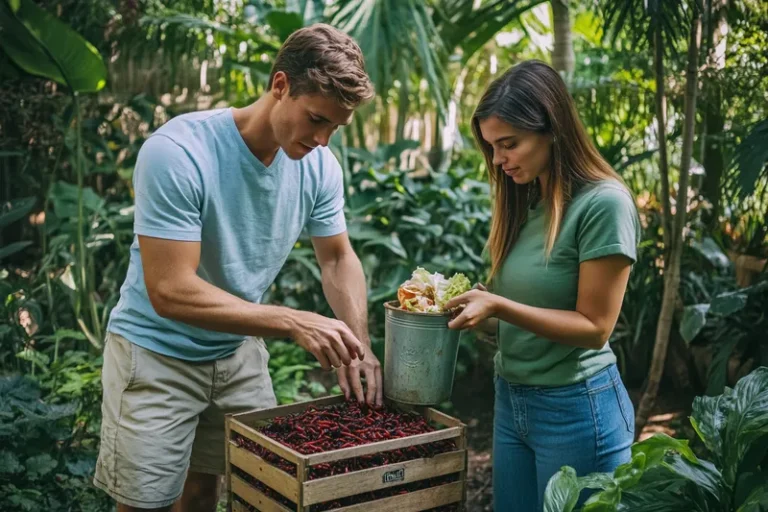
pixel 659 21
pixel 563 58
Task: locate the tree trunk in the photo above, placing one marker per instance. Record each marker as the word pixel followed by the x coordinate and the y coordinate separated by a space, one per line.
pixel 661 126
pixel 384 121
pixel 402 104
pixel 672 264
pixel 563 58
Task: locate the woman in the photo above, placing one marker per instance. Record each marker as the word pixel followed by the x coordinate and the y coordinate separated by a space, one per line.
pixel 563 237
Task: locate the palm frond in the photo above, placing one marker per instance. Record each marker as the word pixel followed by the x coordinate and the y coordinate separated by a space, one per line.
pixel 389 31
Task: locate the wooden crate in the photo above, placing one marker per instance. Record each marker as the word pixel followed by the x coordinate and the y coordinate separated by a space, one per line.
pixel 305 492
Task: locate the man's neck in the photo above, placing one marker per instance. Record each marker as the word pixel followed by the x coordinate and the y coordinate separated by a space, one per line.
pixel 256 130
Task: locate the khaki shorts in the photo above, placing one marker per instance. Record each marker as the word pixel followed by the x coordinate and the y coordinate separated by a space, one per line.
pixel 163 416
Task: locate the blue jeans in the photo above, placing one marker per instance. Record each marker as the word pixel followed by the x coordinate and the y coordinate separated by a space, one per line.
pixel 537 430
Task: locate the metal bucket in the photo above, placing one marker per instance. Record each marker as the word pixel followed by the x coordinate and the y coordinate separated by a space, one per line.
pixel 419 356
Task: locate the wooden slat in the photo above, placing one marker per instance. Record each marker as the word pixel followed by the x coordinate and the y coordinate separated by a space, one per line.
pixel 284 410
pixel 441 418
pixel 255 497
pixel 263 471
pixel 282 450
pixel 358 482
pixel 383 446
pixel 412 501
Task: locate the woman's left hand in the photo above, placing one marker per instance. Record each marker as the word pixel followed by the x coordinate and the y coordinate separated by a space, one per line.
pixel 478 305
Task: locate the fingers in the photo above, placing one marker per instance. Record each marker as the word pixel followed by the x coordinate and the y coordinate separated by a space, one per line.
pixel 322 359
pixel 337 345
pixel 459 322
pixel 481 287
pixel 379 385
pixel 356 384
pixel 351 342
pixel 372 386
pixel 333 357
pixel 341 373
pixel 457 301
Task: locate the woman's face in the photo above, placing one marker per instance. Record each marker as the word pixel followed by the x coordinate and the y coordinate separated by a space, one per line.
pixel 522 155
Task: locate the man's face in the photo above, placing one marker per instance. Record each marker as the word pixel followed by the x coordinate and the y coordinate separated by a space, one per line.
pixel 302 123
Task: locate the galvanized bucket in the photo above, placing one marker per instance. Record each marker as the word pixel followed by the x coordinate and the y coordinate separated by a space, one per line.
pixel 419 356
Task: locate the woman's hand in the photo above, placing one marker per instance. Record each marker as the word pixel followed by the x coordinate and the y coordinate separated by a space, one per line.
pixel 478 305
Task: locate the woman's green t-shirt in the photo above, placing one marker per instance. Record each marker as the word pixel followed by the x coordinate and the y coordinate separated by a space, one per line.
pixel 600 220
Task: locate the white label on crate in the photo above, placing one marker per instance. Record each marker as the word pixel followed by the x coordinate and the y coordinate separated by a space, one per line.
pixel 397 475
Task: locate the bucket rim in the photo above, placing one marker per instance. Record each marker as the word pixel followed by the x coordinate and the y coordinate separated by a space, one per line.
pixel 394 305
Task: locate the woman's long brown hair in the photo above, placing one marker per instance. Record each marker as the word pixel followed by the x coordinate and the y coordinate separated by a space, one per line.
pixel 532 96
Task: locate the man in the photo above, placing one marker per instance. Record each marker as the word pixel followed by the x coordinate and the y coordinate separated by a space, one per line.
pixel 221 198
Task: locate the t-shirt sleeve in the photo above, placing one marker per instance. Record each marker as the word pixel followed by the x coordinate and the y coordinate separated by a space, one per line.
pixel 168 190
pixel 327 217
pixel 609 226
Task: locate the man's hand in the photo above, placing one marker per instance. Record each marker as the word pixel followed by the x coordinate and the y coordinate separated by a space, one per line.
pixel 329 340
pixel 350 382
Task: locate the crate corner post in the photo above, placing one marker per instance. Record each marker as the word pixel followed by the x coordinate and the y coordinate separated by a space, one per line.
pixel 227 469
pixel 302 473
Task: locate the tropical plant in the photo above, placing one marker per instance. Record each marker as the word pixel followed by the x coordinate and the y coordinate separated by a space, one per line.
pixel 40 44
pixel 664 474
pixel 659 18
pixel 45 463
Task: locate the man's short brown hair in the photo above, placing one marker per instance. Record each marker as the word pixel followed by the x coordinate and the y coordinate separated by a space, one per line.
pixel 320 59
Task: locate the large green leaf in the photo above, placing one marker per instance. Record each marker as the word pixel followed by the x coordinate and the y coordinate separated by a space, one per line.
pixel 17 210
pixel 752 157
pixel 694 320
pixel 747 420
pixel 728 303
pixel 647 456
pixel 64 197
pixel 757 501
pixel 605 501
pixel 702 473
pixel 284 23
pixel 391 242
pixel 13 248
pixel 562 491
pixel 657 446
pixel 708 420
pixel 711 251
pixel 41 44
pixel 655 501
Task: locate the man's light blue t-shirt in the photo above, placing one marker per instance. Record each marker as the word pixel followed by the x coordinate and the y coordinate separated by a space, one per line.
pixel 196 180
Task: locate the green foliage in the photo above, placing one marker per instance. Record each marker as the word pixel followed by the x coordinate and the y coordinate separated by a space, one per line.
pixel 46 462
pixel 752 157
pixel 665 475
pixel 70 169
pixel 41 44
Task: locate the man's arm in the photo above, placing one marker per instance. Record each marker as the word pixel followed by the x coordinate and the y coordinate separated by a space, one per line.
pixel 344 288
pixel 344 282
pixel 177 292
